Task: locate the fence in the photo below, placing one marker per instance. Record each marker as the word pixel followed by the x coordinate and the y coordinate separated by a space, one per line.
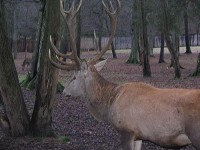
pixel 125 42
pixel 25 43
pixel 194 40
pixel 87 43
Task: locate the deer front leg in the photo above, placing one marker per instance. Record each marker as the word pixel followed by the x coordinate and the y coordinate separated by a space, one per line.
pixel 128 143
pixel 138 145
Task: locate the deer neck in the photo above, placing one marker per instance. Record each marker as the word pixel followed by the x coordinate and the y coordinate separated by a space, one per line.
pixel 100 94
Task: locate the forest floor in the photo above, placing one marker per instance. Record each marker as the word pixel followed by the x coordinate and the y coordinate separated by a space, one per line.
pixel 71 118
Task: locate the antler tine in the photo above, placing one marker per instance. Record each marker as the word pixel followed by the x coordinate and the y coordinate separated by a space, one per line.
pixel 110 11
pixel 68 15
pixel 96 42
pixel 78 7
pixel 111 6
pixel 57 51
pixel 60 66
pixel 71 13
pixel 113 18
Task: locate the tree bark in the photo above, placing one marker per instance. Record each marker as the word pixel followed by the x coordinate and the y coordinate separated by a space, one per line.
pixel 47 74
pixel 169 43
pixel 113 50
pixel 78 34
pixel 15 107
pixel 187 38
pixel 162 48
pixel 150 43
pixel 133 58
pixel 197 70
pixel 144 41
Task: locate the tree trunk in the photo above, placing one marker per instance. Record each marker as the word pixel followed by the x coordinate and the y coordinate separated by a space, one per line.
pixel 113 50
pixel 133 58
pixel 14 32
pixel 144 41
pixel 78 34
pixel 47 75
pixel 187 38
pixel 1 99
pixel 169 43
pixel 150 44
pixel 162 48
pixel 15 107
pixel 197 71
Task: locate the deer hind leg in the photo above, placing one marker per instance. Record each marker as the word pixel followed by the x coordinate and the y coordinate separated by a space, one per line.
pixel 128 142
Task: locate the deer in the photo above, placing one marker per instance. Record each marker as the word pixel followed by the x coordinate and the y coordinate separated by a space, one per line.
pixel 138 111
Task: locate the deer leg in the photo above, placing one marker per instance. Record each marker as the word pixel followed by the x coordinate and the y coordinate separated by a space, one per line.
pixel 127 141
pixel 138 145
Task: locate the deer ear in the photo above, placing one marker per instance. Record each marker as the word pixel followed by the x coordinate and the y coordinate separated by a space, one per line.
pixel 100 65
pixel 84 66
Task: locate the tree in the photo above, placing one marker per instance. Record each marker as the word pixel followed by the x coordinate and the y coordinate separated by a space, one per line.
pixel 197 70
pixel 13 101
pixel 144 40
pixel 133 58
pixel 78 34
pixel 47 74
pixel 168 40
pixel 162 47
pixel 187 38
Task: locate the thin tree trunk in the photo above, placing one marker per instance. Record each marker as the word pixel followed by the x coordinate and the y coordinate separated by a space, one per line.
pixel 187 38
pixel 78 35
pixel 113 50
pixel 162 48
pixel 150 44
pixel 15 107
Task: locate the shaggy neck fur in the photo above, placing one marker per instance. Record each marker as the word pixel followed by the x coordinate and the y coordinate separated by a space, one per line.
pixel 100 95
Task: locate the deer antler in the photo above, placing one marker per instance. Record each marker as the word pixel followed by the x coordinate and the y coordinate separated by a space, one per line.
pixel 113 14
pixel 69 16
pixel 96 42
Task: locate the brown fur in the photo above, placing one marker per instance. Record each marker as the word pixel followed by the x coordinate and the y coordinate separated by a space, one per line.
pixel 143 112
pixel 138 111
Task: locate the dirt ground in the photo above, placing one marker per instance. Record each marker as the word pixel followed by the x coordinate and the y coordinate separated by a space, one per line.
pixel 72 119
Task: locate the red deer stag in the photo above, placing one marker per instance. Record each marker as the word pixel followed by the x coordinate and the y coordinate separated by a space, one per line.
pixel 167 117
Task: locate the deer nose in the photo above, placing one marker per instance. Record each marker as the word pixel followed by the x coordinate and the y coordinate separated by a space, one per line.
pixel 68 95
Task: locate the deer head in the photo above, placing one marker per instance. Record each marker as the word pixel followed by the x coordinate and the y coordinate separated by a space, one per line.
pixel 84 69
